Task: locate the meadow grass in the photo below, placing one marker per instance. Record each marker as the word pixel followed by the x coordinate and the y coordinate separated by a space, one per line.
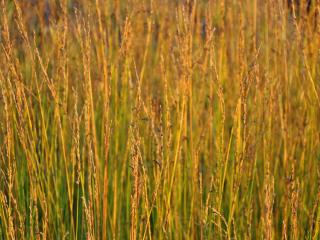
pixel 159 119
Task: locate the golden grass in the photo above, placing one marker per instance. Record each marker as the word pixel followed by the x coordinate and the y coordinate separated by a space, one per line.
pixel 158 119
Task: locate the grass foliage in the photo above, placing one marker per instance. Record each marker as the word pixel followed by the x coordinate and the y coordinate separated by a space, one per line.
pixel 159 119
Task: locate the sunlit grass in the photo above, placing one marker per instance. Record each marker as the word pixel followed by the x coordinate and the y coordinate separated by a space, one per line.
pixel 158 119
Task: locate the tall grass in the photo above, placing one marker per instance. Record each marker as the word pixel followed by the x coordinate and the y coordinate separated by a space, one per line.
pixel 158 119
